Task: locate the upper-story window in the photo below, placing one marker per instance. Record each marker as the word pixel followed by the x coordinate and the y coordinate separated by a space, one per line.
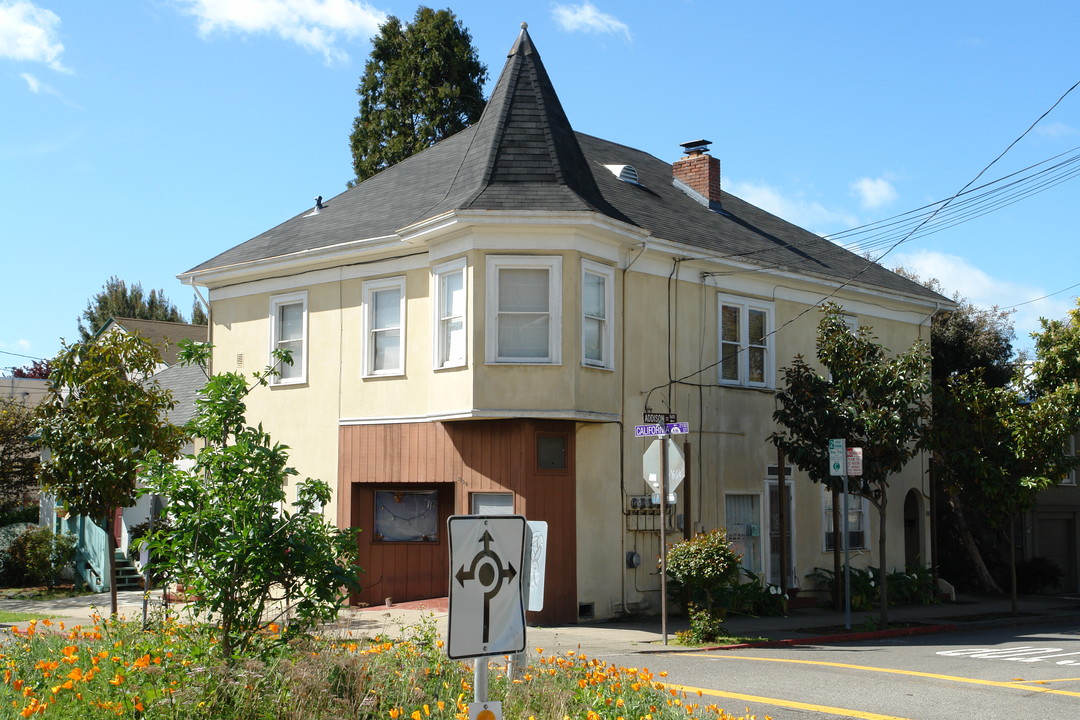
pixel 1070 450
pixel 384 327
pixel 597 299
pixel 288 331
pixel 746 354
pixel 450 314
pixel 524 312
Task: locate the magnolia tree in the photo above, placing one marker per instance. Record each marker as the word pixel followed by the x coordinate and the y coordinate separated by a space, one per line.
pixel 246 555
pixel 871 399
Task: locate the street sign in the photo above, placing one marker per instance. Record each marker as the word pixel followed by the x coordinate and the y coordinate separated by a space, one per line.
pixel 854 462
pixel 486 604
pixel 650 466
pixel 654 418
pixel 837 457
pixel 676 428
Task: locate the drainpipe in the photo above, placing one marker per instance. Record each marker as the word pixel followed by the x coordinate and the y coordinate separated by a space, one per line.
pixel 622 423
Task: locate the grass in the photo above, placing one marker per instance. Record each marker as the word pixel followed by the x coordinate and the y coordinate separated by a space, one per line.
pixel 7 618
pixel 173 671
pixel 42 592
pixel 726 640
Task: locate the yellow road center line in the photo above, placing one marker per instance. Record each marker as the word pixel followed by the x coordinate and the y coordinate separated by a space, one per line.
pixel 828 709
pixel 952 678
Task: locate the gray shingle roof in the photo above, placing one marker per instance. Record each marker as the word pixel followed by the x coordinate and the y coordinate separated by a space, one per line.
pixel 523 155
pixel 184 382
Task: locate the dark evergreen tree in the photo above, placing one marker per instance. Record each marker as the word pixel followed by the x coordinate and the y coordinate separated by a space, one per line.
pixel 423 82
pixel 117 299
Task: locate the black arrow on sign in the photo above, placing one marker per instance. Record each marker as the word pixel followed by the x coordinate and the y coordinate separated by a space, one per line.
pixel 487 576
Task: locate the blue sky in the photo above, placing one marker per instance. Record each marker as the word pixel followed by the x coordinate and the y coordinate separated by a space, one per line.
pixel 141 138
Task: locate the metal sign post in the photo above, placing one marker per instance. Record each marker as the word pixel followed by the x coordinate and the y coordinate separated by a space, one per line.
pixel 838 466
pixel 852 466
pixel 663 533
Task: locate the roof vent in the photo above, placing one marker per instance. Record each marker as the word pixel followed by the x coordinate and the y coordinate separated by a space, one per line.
pixel 626 173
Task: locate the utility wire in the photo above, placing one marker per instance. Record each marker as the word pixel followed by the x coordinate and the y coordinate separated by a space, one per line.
pixel 938 208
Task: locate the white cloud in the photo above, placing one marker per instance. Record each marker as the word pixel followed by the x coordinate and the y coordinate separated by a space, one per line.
pixel 1055 130
pixel 315 25
pixel 874 193
pixel 30 34
pixel 957 274
pixel 586 17
pixel 805 213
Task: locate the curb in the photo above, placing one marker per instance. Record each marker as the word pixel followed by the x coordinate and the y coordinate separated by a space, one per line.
pixel 825 639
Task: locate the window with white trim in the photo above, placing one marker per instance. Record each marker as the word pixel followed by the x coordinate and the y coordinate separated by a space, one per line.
pixel 1070 450
pixel 746 355
pixel 524 309
pixel 597 300
pixel 288 331
pixel 448 284
pixel 742 518
pixel 384 327
pixel 858 520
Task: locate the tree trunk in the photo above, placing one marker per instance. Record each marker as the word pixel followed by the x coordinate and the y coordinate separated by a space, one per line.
pixel 1012 566
pixel 110 522
pixel 883 596
pixel 983 577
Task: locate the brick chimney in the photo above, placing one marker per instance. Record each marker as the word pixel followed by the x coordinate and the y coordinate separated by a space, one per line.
pixel 699 171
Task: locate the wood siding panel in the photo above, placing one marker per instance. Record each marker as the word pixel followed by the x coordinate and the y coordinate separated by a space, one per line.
pixel 487 456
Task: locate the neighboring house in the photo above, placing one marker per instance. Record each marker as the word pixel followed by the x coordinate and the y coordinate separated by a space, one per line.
pixel 28 391
pixel 91 558
pixel 163 335
pixel 1052 528
pixel 480 327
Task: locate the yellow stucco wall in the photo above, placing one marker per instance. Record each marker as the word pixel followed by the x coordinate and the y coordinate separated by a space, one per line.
pixel 729 425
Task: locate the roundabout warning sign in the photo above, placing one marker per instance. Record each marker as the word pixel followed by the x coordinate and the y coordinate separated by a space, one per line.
pixel 486 605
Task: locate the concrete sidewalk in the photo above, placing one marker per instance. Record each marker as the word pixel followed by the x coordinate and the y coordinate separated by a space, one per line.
pixel 636 635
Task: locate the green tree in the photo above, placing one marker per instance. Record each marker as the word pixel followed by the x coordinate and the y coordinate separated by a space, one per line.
pixel 964 340
pixel 871 399
pixel 233 541
pixel 422 83
pixel 117 299
pixel 18 453
pixel 1001 449
pixel 102 417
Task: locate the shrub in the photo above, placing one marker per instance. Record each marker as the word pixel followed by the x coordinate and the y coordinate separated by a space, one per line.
pixel 10 574
pixel 23 514
pixel 705 626
pixel 754 596
pixel 704 566
pixel 913 587
pixel 1037 574
pixel 41 555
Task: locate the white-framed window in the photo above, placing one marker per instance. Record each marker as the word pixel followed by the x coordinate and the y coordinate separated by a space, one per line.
pixel 288 331
pixel 742 517
pixel 858 520
pixel 384 327
pixel 597 301
pixel 746 342
pixel 1070 449
pixel 450 323
pixel 524 309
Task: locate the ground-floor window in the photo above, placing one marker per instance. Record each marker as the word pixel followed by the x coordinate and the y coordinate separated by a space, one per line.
pixel 743 516
pixel 491 503
pixel 406 516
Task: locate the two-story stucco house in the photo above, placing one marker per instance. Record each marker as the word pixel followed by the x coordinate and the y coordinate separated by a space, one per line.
pixel 480 327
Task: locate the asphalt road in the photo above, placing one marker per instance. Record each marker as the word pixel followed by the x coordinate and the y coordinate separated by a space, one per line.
pixel 1031 672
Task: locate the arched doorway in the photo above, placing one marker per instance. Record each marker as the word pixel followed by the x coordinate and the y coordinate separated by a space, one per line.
pixel 913 529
